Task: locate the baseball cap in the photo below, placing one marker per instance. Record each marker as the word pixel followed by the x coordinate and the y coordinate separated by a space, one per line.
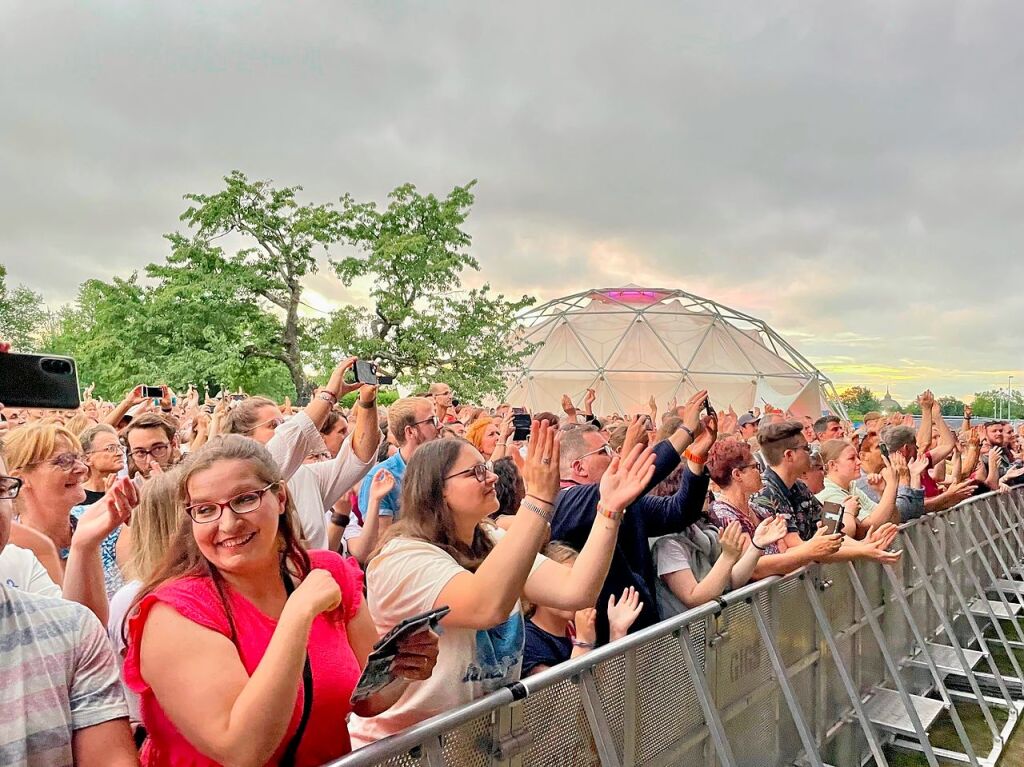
pixel 872 415
pixel 746 418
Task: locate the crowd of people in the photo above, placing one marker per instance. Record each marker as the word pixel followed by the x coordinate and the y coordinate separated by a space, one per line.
pixel 203 581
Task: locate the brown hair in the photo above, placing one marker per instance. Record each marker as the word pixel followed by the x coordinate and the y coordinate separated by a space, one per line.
pixel 245 416
pixel 333 416
pixel 183 558
pixel 402 414
pixel 154 524
pixel 425 515
pixel 724 457
pixel 831 450
pixel 776 438
pixel 150 421
pixel 80 423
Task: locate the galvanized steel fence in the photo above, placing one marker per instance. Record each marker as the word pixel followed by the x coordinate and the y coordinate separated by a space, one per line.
pixel 824 666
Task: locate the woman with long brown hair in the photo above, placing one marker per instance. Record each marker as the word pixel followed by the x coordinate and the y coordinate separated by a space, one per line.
pixel 445 552
pixel 243 647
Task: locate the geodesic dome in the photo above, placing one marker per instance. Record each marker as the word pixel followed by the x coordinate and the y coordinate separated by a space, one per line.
pixel 630 343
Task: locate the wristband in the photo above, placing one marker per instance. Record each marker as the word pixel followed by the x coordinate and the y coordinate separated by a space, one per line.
pixel 584 645
pixel 688 430
pixel 759 548
pixel 540 500
pixel 614 516
pixel 691 457
pixel 327 396
pixel 367 405
pixel 545 515
pixel 341 520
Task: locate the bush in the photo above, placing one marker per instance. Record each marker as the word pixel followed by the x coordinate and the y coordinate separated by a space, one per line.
pixel 384 397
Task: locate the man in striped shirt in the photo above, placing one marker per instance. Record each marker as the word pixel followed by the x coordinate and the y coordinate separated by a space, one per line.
pixel 61 703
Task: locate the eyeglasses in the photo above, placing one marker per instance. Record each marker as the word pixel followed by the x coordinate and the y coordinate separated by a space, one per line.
pixel 9 487
pixel 804 447
pixel 479 472
pixel 751 465
pixel 158 451
pixel 112 449
pixel 64 461
pixel 607 449
pixel 243 503
pixel 433 421
pixel 273 423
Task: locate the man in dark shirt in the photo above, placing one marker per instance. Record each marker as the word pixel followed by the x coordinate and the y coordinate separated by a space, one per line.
pixel 585 456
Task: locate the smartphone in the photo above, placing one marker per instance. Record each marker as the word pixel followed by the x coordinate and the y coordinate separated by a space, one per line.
pixel 377 674
pixel 708 409
pixel 883 449
pixel 152 392
pixel 238 397
pixel 518 410
pixel 522 423
pixel 38 380
pixel 833 517
pixel 366 372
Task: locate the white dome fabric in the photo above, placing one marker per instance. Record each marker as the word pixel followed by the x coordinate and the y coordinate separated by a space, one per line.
pixel 629 343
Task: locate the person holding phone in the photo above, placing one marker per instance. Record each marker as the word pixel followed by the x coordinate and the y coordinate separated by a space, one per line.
pixel 243 646
pixel 445 551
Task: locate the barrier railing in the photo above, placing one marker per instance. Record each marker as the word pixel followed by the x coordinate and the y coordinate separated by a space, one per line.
pixel 824 666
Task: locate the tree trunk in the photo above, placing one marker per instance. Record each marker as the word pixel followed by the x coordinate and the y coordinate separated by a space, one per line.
pixel 293 357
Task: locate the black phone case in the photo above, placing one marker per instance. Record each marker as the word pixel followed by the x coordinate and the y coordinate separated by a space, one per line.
pixel 38 380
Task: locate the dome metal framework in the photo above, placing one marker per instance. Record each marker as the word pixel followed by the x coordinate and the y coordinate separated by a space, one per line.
pixel 630 343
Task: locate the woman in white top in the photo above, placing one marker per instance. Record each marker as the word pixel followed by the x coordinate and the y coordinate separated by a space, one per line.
pixel 314 487
pixel 445 551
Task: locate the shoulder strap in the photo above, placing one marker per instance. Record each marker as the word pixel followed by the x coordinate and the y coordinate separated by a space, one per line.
pixel 288 757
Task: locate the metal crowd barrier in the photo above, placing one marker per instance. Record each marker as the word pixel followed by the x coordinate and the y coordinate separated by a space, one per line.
pixel 825 666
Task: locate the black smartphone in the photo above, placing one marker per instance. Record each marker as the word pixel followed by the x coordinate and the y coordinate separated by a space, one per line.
pixel 883 449
pixel 522 423
pixel 518 410
pixel 38 380
pixel 832 517
pixel 152 392
pixel 708 409
pixel 377 673
pixel 366 372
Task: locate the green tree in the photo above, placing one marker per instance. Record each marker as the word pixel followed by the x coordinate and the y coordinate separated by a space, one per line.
pixel 951 405
pixel 990 403
pixel 278 237
pixel 422 324
pixel 22 315
pixel 859 399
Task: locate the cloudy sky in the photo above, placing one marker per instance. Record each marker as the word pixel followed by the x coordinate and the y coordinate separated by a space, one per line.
pixel 850 172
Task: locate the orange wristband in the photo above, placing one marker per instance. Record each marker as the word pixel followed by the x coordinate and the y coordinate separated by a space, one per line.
pixel 691 457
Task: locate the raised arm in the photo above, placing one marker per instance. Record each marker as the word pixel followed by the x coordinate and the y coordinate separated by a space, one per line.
pixel 924 431
pixel 947 440
pixel 131 399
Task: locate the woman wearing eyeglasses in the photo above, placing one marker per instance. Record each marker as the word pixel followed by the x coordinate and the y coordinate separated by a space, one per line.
pixel 244 647
pixel 48 461
pixel 444 551
pixel 105 456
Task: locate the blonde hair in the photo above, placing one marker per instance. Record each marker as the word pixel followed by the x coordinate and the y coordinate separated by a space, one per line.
pixel 80 423
pixel 244 417
pixel 34 443
pixel 154 524
pixel 401 414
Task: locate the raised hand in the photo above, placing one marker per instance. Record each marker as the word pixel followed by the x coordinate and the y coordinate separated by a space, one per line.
pixel 585 623
pixel 899 465
pixel 623 613
pixel 994 454
pixel 926 400
pixel 113 509
pixel 706 437
pixel 691 411
pixel 382 484
pixel 540 468
pixel 918 466
pixel 567 407
pixel 732 542
pixel 588 401
pixel 626 478
pixel 769 531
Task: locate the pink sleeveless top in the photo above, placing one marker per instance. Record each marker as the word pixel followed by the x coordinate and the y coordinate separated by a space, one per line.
pixel 334 665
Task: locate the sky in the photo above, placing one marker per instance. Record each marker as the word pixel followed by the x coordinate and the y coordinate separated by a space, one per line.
pixel 851 173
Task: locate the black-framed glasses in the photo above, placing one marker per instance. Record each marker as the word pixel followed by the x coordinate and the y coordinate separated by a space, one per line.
pixel 479 472
pixel 112 449
pixel 158 451
pixel 9 488
pixel 64 461
pixel 605 448
pixel 243 503
pixel 433 421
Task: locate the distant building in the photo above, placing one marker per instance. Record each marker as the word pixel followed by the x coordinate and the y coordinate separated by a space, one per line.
pixel 888 404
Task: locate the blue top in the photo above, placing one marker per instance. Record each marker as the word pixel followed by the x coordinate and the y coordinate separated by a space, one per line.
pixel 113 578
pixel 544 649
pixel 649 516
pixel 389 503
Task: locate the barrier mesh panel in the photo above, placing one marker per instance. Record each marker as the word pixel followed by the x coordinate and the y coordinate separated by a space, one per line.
pixel 667 709
pixel 558 725
pixel 610 683
pixel 469 745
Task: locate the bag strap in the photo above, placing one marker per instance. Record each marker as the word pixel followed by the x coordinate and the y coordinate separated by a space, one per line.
pixel 288 758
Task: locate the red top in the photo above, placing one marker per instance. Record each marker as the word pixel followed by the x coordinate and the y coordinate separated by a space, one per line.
pixel 334 665
pixel 929 485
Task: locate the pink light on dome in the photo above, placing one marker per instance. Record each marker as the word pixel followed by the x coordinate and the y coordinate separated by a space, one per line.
pixel 630 296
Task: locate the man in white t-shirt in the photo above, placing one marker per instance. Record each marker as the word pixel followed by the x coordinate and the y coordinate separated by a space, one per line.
pixel 62 700
pixel 20 569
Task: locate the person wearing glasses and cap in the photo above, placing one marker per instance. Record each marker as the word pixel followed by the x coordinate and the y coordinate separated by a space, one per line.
pixel 412 423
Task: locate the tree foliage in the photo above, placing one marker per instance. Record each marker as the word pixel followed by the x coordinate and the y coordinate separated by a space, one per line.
pixel 422 324
pixel 22 315
pixel 859 399
pixel 951 405
pixel 992 403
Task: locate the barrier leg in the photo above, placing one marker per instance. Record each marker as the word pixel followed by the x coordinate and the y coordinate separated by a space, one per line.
pixel 844 674
pixel 986 565
pixel 782 677
pixel 894 672
pixel 911 548
pixel 1009 510
pixel 700 685
pixel 598 722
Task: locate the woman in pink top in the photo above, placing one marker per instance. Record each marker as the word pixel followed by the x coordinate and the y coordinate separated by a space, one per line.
pixel 224 640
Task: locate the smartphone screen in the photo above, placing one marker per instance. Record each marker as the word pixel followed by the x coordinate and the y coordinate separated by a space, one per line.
pixel 833 516
pixel 152 392
pixel 522 424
